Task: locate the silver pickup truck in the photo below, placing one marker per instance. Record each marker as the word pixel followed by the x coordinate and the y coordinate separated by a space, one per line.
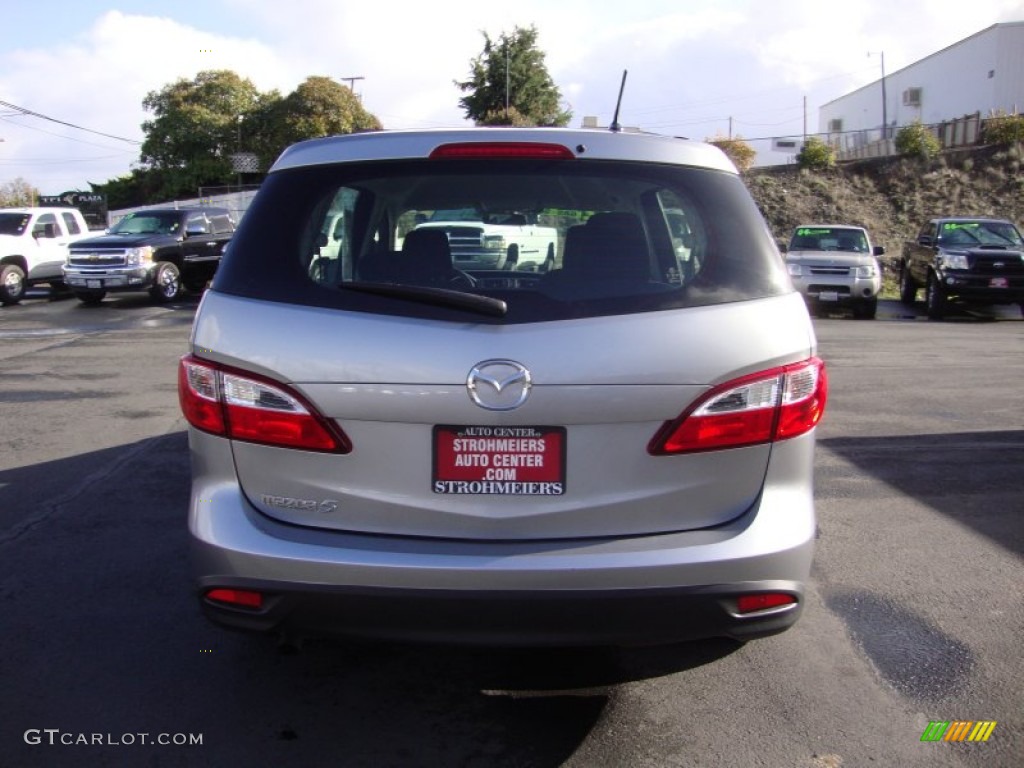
pixel 835 265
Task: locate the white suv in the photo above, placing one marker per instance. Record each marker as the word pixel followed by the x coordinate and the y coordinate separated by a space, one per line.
pixel 618 450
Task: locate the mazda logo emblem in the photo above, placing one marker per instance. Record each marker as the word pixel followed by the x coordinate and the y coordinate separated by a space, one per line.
pixel 499 385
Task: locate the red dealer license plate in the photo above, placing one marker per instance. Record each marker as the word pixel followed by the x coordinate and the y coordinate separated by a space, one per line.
pixel 507 461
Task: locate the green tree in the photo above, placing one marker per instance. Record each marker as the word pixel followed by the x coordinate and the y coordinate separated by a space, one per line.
pixel 196 127
pixel 741 153
pixel 816 154
pixel 510 72
pixel 917 141
pixel 18 193
pixel 318 107
pixel 199 124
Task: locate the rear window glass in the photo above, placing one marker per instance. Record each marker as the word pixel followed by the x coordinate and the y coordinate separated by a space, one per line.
pixel 544 239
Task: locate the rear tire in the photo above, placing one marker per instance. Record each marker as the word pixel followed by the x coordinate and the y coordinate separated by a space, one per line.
pixel 92 298
pixel 12 284
pixel 166 283
pixel 908 289
pixel 935 297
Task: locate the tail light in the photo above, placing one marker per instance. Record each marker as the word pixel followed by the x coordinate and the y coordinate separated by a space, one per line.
pixel 777 404
pixel 243 406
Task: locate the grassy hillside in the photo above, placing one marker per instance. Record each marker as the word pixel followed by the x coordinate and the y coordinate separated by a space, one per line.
pixel 893 197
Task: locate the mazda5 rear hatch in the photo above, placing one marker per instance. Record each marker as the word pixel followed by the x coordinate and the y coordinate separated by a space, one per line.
pixel 635 384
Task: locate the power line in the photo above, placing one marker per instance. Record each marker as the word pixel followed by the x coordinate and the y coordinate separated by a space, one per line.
pixel 30 113
pixel 9 121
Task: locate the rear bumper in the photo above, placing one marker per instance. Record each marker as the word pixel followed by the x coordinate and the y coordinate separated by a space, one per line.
pixel 520 618
pixel 632 590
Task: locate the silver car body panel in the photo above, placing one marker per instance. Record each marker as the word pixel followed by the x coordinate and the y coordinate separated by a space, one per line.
pixel 653 365
pixel 233 542
pixel 592 145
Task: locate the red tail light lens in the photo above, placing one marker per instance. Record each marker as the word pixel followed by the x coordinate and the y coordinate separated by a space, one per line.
pixel 778 404
pixel 513 149
pixel 244 406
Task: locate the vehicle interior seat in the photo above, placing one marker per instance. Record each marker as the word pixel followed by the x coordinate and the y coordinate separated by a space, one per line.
pixel 426 260
pixel 615 247
pixel 610 250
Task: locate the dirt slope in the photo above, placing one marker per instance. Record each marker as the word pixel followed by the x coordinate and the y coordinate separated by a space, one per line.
pixel 893 197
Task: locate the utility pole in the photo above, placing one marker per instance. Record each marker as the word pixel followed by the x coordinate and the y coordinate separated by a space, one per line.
pixel 506 80
pixel 885 113
pixel 352 83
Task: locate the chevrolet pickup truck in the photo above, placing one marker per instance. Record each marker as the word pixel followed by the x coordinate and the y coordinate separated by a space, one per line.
pixel 160 250
pixel 966 261
pixel 33 247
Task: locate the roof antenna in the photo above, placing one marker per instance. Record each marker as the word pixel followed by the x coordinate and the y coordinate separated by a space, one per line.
pixel 615 127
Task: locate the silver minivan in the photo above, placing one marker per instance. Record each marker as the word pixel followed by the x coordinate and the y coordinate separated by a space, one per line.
pixel 617 450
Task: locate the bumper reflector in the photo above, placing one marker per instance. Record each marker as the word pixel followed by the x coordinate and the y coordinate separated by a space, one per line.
pixel 762 602
pixel 236 598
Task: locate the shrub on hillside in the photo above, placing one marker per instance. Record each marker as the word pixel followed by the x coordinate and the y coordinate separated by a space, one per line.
pixel 816 154
pixel 916 140
pixel 741 153
pixel 1003 129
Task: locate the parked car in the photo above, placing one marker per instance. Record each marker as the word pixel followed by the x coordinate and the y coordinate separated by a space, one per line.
pixel 616 451
pixel 835 265
pixel 966 261
pixel 160 250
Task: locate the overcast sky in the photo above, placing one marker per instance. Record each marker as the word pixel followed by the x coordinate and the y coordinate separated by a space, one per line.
pixel 693 65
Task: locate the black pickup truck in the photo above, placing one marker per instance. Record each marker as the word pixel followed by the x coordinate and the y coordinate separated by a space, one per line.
pixel 968 261
pixel 160 250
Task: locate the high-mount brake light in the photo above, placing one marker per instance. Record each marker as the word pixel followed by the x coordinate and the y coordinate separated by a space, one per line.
pixel 777 404
pixel 507 149
pixel 243 406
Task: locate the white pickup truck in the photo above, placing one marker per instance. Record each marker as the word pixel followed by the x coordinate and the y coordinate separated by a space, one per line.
pixel 34 246
pixel 495 241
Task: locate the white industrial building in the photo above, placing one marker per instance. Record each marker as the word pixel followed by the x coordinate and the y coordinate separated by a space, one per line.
pixel 979 75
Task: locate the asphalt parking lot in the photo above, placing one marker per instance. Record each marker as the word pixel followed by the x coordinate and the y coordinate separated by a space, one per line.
pixel 915 611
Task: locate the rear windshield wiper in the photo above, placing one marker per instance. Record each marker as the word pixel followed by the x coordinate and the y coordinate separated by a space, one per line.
pixel 441 297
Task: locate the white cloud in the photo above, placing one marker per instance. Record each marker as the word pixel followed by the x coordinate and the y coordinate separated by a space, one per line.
pixel 692 64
